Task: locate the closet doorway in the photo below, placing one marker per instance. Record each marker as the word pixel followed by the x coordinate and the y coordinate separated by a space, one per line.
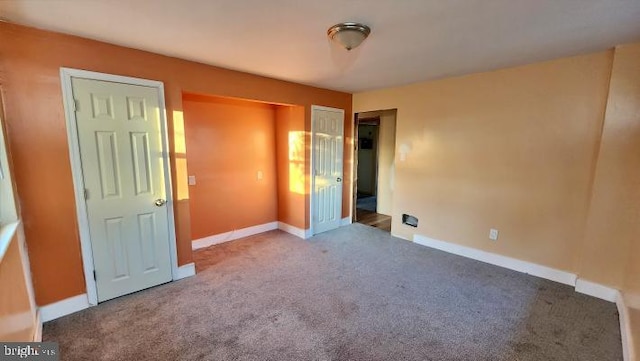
pixel 373 173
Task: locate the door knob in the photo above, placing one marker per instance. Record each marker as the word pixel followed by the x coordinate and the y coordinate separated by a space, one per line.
pixel 160 202
pixel 339 180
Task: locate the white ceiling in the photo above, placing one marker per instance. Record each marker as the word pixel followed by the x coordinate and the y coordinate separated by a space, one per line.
pixel 411 40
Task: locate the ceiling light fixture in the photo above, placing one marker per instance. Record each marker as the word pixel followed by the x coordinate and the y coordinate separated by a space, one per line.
pixel 349 35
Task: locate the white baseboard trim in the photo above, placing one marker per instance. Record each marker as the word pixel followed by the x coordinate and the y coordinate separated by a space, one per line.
pixel 596 290
pixel 401 237
pixel 64 307
pixel 185 271
pixel 628 351
pixel 298 232
pixel 80 302
pixel 499 260
pixel 345 221
pixel 37 334
pixel 233 235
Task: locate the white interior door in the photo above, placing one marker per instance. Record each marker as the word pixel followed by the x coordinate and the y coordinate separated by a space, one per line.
pixel 327 126
pixel 120 140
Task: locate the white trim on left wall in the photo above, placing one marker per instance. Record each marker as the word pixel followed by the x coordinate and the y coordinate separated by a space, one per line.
pixel 66 75
pixel 64 307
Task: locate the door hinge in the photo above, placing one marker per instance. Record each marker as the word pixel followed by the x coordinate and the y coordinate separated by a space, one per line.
pixel 86 194
pixel 76 105
pixel 94 275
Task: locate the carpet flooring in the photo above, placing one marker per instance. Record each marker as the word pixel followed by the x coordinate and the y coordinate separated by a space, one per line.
pixel 354 293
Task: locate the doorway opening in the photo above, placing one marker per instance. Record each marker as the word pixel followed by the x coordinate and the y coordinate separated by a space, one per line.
pixel 247 171
pixel 373 173
pixel 245 165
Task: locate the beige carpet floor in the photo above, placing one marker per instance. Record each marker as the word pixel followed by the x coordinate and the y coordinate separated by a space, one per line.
pixel 355 293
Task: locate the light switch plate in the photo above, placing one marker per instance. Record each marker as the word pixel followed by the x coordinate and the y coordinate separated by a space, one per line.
pixel 192 180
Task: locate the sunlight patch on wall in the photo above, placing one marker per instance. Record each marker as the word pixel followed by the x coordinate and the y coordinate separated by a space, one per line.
pixel 180 149
pixel 296 162
pixel 178 133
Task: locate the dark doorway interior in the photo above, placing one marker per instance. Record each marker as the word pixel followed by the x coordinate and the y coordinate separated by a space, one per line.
pixel 367 175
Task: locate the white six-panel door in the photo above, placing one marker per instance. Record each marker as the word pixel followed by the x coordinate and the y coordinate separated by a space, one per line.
pixel 120 140
pixel 327 126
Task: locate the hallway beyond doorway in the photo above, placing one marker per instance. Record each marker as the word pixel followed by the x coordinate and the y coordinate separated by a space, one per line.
pixel 373 219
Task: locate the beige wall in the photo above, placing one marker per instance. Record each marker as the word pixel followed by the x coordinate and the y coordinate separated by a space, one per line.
pixel 386 160
pixel 627 74
pixel 612 247
pixel 548 153
pixel 613 222
pixel 631 286
pixel 512 149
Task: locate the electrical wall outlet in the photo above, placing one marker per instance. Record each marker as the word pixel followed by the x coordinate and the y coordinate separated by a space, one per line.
pixel 493 234
pixel 259 175
pixel 192 180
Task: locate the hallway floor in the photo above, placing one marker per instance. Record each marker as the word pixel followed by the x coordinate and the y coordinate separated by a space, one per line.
pixel 373 219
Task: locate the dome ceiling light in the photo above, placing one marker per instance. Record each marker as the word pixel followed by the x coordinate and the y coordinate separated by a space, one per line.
pixel 349 35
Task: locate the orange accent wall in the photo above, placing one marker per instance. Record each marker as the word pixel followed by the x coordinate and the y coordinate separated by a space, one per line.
pixel 30 61
pixel 229 142
pixel 291 144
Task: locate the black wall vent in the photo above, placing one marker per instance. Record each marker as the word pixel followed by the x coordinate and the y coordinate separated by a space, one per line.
pixel 409 220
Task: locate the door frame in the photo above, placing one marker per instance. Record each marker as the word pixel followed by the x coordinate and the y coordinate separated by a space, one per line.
pixel 354 169
pixel 66 75
pixel 315 108
pixel 356 160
